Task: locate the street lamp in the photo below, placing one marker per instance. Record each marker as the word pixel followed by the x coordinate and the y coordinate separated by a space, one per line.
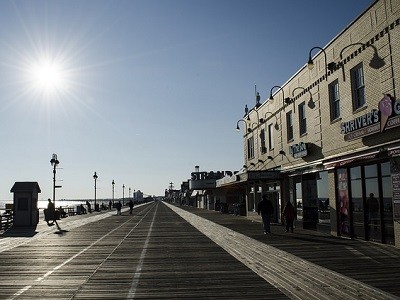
pixel 129 194
pixel 237 125
pixel 134 194
pixel 271 98
pixel 123 194
pixel 95 187
pixel 310 64
pixel 54 162
pixel 113 191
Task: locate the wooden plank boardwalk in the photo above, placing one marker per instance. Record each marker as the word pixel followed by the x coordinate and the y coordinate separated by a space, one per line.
pixel 160 252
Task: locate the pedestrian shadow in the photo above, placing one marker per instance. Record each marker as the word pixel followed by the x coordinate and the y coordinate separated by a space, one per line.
pixel 60 231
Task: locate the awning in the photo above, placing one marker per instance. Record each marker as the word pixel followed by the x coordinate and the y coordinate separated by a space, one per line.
pixel 348 160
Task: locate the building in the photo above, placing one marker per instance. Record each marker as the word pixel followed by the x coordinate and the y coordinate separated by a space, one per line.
pixel 328 139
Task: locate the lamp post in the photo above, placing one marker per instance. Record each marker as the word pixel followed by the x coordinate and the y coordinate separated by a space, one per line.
pixel 95 188
pixel 54 162
pixel 129 194
pixel 134 195
pixel 113 183
pixel 123 194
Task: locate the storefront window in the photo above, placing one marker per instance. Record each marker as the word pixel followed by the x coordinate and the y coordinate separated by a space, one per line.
pixel 372 203
pixel 323 199
pixel 357 204
pixel 299 201
pixel 387 192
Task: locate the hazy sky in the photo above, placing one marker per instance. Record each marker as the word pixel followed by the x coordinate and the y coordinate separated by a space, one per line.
pixel 141 91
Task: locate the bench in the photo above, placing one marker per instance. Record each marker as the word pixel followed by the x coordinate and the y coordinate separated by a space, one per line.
pixel 6 220
pixel 70 211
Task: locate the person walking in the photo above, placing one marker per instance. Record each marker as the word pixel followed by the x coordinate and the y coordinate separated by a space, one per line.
pixel 118 206
pixel 50 214
pixel 89 206
pixel 130 206
pixel 289 214
pixel 266 209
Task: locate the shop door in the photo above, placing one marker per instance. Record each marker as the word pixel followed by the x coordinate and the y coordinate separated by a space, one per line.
pixel 373 207
pixel 371 203
pixel 357 205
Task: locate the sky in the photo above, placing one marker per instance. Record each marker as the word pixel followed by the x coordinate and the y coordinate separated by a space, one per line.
pixel 142 91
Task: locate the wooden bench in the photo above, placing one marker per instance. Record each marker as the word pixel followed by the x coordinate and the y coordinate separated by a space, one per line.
pixel 6 219
pixel 70 211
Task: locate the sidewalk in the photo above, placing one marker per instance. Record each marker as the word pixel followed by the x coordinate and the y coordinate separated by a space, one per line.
pixel 374 264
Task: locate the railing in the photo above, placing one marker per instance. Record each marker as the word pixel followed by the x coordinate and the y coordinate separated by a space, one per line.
pixel 6 217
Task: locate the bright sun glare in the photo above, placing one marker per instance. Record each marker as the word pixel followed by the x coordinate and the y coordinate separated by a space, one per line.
pixel 48 76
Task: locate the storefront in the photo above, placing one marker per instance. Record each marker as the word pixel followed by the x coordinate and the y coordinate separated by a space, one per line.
pixel 367 185
pixel 247 188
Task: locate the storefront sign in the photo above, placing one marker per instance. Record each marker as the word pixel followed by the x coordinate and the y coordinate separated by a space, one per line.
pixel 210 175
pixel 262 175
pixel 375 121
pixel 298 150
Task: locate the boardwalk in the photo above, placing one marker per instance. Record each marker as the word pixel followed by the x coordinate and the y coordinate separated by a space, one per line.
pixel 162 251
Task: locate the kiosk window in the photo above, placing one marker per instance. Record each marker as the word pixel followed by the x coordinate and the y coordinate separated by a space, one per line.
pixel 22 204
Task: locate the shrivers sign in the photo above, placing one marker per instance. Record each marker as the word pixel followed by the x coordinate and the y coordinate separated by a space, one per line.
pixel 388 116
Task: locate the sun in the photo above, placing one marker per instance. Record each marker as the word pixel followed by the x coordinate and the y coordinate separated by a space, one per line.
pixel 48 76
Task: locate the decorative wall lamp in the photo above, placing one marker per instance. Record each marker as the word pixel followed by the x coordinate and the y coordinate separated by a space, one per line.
pixel 331 66
pixel 271 98
pixel 237 125
pixel 281 152
pixel 270 157
pixel 263 120
pixel 260 161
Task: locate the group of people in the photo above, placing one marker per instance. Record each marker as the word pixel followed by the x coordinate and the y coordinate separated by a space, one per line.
pixel 50 214
pixel 266 209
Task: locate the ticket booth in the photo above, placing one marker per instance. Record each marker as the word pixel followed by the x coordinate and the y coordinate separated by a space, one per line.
pixel 26 212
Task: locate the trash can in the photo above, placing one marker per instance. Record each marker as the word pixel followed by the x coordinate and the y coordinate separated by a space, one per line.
pixel 25 210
